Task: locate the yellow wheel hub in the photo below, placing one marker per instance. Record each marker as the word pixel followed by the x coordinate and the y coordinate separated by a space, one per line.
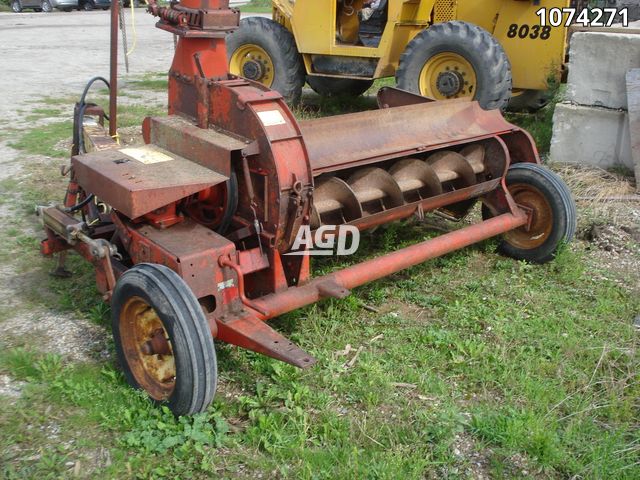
pixel 252 62
pixel 448 75
pixel 148 349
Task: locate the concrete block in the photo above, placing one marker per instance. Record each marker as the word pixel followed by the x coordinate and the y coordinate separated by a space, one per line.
pixel 598 65
pixel 591 136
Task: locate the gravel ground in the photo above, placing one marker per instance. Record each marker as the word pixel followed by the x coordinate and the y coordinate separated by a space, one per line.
pixel 56 53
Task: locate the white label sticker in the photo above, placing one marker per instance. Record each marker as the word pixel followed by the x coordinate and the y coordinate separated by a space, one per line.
pixel 271 117
pixel 226 284
pixel 146 154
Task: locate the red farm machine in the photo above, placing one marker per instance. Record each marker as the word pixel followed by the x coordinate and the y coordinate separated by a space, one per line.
pixel 190 233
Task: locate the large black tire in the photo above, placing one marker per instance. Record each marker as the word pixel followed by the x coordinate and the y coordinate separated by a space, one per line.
pixel 15 6
pixel 46 6
pixel 185 327
pixel 530 101
pixel 279 44
pixel 531 177
pixel 329 86
pixel 477 46
pixel 88 5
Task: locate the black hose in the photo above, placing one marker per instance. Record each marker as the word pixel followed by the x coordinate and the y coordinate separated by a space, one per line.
pixel 78 206
pixel 81 106
pixel 90 84
pixel 78 139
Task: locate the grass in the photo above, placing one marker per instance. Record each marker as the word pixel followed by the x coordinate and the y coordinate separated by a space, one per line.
pixel 470 364
pixel 257 6
pixel 533 362
pixel 44 140
pixel 150 82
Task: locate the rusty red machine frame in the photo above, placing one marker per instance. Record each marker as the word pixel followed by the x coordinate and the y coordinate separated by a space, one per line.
pixel 226 180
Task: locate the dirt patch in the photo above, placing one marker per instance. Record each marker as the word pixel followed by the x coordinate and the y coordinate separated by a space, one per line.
pixel 614 247
pixel 10 388
pixel 71 337
pixel 474 460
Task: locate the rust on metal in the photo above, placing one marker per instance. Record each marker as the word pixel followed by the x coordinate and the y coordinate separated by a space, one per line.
pixel 138 183
pixel 148 349
pixel 247 331
pixel 379 135
pixel 537 231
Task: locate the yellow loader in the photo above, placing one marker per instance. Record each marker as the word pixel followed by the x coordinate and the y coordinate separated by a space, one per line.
pixel 495 51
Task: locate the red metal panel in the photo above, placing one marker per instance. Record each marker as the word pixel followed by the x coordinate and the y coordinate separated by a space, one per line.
pixel 135 188
pixel 363 138
pixel 188 248
pixel 204 146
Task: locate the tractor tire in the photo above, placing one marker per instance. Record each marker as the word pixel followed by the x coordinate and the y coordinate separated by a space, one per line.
pixel 554 214
pixel 162 339
pixel 264 51
pixel 16 7
pixel 46 6
pixel 457 59
pixel 530 101
pixel 330 87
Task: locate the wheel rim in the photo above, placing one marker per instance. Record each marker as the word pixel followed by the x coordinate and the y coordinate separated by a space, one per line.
pixel 253 62
pixel 448 75
pixel 16 7
pixel 541 218
pixel 46 7
pixel 147 348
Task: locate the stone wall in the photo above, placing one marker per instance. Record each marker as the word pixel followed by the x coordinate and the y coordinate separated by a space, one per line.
pixel 592 125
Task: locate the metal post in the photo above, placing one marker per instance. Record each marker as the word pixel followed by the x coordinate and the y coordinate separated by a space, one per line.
pixel 113 73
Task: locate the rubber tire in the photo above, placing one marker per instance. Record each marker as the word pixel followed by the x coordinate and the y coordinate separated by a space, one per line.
pixel 88 6
pixel 16 7
pixel 187 327
pixel 476 45
pixel 330 87
pixel 562 206
pixel 46 6
pixel 278 42
pixel 530 101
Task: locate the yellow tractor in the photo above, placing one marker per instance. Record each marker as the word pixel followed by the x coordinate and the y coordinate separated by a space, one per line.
pixel 495 51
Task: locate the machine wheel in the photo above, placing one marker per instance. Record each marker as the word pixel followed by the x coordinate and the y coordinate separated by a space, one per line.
pixel 16 7
pixel 530 101
pixel 554 213
pixel 88 5
pixel 264 51
pixel 456 59
pixel 46 6
pixel 329 86
pixel 162 339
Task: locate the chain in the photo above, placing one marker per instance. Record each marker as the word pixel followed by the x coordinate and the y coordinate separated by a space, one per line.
pixel 123 28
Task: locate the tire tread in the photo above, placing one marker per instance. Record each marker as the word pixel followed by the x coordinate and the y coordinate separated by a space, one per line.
pixel 497 90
